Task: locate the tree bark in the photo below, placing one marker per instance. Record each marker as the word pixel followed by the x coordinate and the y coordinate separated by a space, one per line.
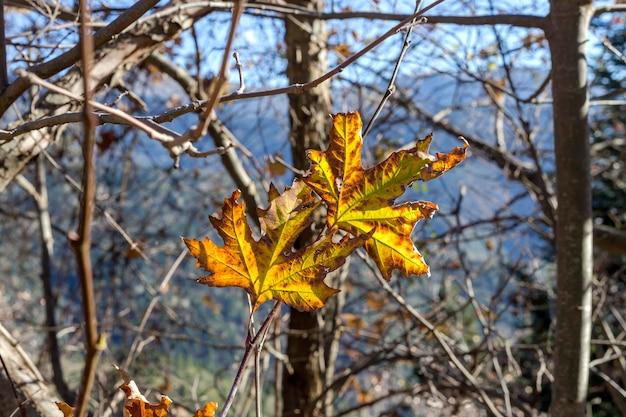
pixel 303 381
pixel 567 35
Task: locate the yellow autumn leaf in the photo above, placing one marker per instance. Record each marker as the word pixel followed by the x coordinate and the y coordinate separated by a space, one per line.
pixel 270 268
pixel 362 201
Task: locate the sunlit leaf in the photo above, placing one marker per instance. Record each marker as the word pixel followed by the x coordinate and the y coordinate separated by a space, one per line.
pixel 361 211
pixel 270 268
pixel 207 411
pixel 362 201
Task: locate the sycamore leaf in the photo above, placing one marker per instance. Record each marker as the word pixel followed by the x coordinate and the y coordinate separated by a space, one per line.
pixel 270 267
pixel 362 201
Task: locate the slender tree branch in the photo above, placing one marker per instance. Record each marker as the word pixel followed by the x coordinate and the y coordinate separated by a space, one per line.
pixel 525 20
pixel 609 8
pixel 301 88
pixel 39 193
pixel 217 85
pixel 49 68
pixel 153 133
pixel 250 349
pixel 171 140
pixel 82 244
pixel 392 81
pixel 4 76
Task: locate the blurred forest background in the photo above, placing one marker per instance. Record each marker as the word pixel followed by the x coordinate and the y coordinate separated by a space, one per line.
pixel 479 337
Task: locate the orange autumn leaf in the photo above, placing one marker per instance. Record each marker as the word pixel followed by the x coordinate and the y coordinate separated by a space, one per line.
pixel 207 411
pixel 362 201
pixel 270 268
pixel 66 409
pixel 140 408
pixel 136 404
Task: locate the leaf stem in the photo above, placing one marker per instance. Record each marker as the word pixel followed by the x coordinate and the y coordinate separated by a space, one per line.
pixel 250 348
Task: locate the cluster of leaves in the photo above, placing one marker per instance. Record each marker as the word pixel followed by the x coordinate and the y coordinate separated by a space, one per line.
pixel 136 405
pixel 361 211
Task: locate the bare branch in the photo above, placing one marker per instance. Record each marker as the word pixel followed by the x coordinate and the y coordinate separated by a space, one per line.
pixel 94 343
pixel 218 83
pixel 392 81
pixel 300 88
pixel 4 76
pixel 609 8
pixel 102 36
pixel 440 339
pixel 250 348
pixel 153 133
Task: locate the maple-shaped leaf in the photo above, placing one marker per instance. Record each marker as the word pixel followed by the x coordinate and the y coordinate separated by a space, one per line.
pixel 270 267
pixel 362 201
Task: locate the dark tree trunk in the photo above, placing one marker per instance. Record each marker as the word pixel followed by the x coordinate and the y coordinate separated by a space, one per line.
pixel 567 34
pixel 303 380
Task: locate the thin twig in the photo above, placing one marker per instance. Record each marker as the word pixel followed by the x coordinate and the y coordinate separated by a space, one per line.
pixel 205 118
pixel 239 68
pixel 250 348
pixel 301 88
pixel 132 121
pixel 174 142
pixel 442 342
pixel 39 193
pixel 82 243
pixel 4 76
pixel 392 81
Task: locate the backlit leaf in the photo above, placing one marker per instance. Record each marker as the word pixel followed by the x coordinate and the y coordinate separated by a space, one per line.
pixel 270 268
pixel 207 411
pixel 362 201
pixel 361 211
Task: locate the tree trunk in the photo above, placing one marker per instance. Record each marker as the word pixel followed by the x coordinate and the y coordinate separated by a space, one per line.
pixel 567 34
pixel 303 380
